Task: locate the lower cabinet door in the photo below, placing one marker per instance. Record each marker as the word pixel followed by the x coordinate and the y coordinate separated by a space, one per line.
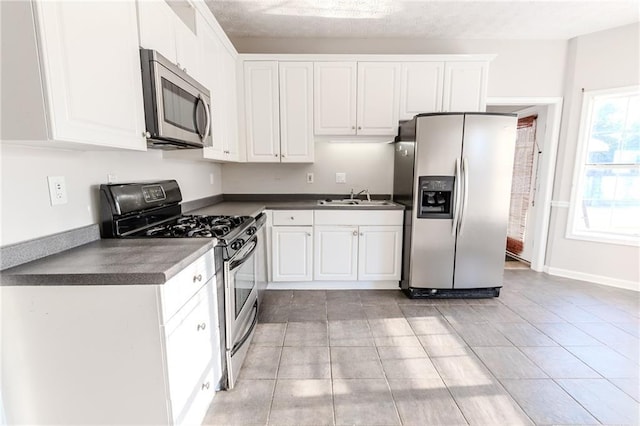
pixel 291 249
pixel 190 338
pixel 379 253
pixel 335 255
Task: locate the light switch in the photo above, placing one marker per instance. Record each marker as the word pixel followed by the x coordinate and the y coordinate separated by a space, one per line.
pixel 341 177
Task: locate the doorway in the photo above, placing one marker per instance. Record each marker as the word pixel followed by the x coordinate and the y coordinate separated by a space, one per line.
pixel 530 230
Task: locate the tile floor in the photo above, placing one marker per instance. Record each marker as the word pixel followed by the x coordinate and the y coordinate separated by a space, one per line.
pixel 547 351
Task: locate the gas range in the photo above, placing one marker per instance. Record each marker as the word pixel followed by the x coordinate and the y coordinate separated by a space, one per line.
pixel 153 210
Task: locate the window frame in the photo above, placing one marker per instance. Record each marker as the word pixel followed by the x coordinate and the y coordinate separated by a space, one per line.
pixel 580 164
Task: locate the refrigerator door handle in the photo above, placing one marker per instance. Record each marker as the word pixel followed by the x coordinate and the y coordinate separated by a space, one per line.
pixel 456 202
pixel 465 199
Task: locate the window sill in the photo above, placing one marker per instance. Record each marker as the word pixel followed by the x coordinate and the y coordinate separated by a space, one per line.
pixel 605 238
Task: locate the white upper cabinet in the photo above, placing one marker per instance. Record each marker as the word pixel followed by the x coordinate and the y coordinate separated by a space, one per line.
pixel 279 111
pixel 377 111
pixel 356 98
pixel 229 83
pixel 335 98
pixel 262 114
pixel 162 30
pixel 156 21
pixel 296 112
pixel 465 86
pixel 89 74
pixel 421 88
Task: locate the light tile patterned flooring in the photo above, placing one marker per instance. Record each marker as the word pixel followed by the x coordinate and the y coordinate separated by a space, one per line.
pixel 547 351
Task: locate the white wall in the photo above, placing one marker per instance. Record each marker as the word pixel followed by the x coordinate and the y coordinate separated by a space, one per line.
pixel 522 67
pixel 367 165
pixel 602 60
pixel 25 209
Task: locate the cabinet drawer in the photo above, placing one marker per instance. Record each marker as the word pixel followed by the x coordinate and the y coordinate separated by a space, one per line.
pixel 186 283
pixel 292 217
pixel 190 339
pixel 358 217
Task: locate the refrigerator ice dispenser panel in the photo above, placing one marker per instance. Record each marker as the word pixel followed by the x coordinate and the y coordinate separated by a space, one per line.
pixel 435 197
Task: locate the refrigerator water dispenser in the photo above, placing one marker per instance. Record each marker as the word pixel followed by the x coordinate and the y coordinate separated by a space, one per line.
pixel 435 197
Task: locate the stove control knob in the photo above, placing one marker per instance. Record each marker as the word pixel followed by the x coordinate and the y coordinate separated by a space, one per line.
pixel 237 244
pixel 252 230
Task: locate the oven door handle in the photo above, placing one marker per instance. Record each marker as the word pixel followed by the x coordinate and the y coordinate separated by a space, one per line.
pixel 244 338
pixel 237 262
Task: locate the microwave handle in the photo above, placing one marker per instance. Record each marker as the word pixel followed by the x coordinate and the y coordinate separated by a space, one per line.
pixel 204 105
pixel 207 110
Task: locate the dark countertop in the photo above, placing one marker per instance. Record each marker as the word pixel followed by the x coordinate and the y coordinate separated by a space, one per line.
pixel 252 208
pixel 111 262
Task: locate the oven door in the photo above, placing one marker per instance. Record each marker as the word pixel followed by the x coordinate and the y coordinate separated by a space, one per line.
pixel 241 306
pixel 183 111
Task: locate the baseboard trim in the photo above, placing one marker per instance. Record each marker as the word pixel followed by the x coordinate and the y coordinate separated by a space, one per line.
pixel 592 278
pixel 335 285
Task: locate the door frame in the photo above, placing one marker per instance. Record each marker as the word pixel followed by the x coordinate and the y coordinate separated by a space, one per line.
pixel 549 144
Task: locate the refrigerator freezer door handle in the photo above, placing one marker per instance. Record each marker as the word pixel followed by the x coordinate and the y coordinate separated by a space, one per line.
pixel 465 199
pixel 456 202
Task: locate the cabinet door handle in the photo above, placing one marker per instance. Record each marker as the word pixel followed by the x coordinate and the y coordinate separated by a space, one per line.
pixel 362 234
pixel 308 234
pixel 359 127
pixel 202 326
pixel 205 386
pixel 275 155
pixel 355 233
pixel 353 127
pixel 197 278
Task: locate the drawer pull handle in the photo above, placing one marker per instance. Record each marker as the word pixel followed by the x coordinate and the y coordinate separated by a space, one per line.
pixel 197 278
pixel 292 218
pixel 205 386
pixel 202 326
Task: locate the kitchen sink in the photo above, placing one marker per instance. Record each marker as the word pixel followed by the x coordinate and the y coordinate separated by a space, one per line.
pixel 350 202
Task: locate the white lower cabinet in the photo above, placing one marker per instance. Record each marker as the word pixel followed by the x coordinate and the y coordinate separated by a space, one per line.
pixel 335 256
pixel 291 247
pixel 379 252
pixel 112 354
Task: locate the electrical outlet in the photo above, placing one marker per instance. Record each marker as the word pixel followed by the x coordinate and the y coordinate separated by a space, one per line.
pixel 309 177
pixel 341 177
pixel 57 190
pixel 111 178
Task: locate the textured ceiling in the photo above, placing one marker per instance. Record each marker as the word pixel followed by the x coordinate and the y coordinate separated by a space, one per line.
pixel 434 19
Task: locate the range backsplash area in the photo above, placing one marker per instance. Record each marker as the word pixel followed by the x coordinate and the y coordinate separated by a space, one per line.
pixel 26 211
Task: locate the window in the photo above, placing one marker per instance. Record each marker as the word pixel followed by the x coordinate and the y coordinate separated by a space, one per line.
pixel 606 194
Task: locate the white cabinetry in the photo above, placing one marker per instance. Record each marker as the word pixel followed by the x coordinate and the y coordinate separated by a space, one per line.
pixel 75 77
pixel 279 111
pixel 356 98
pixel 292 245
pixel 262 111
pixel 335 253
pixel 465 86
pixel 421 88
pixel 357 245
pixel 162 30
pixel 112 354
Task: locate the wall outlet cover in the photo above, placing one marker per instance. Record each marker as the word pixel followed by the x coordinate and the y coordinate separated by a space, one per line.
pixel 57 190
pixel 309 177
pixel 341 177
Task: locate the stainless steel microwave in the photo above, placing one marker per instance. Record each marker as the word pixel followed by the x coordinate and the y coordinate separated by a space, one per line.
pixel 177 109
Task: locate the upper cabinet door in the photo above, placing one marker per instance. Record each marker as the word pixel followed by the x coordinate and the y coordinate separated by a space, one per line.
pixel 230 85
pixel 157 32
pixel 91 63
pixel 378 87
pixel 262 111
pixel 465 86
pixel 296 112
pixel 186 48
pixel 421 88
pixel 335 98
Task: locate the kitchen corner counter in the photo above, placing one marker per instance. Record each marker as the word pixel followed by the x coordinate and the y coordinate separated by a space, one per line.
pixel 111 262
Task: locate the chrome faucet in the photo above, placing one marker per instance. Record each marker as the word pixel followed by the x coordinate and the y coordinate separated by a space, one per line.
pixel 365 191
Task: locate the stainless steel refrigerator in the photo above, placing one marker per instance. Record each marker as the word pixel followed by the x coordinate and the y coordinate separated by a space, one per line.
pixel 454 177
